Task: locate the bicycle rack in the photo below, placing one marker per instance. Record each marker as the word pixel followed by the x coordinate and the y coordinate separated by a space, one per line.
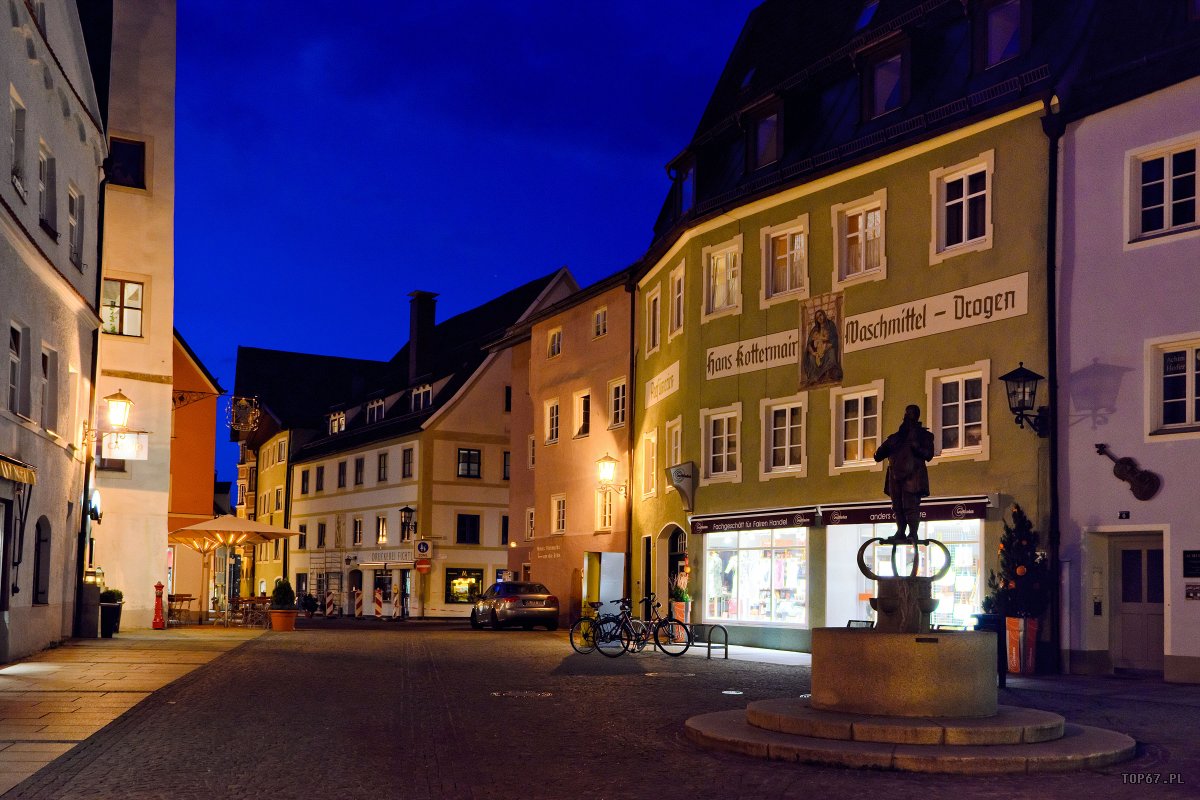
pixel 708 630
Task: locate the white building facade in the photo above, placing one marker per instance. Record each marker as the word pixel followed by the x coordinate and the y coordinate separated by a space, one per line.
pixel 137 300
pixel 1129 362
pixel 48 297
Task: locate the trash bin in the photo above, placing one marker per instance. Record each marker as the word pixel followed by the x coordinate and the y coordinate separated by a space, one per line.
pixel 996 624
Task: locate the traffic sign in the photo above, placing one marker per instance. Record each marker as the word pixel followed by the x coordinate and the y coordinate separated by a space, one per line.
pixel 423 565
pixel 424 548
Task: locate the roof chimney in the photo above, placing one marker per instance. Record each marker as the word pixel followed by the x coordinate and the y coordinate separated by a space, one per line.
pixel 420 332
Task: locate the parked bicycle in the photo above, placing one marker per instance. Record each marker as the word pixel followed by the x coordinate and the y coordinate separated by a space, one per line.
pixel 583 631
pixel 615 634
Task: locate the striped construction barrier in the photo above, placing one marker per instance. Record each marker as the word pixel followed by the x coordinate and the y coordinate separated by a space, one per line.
pixel 330 604
pixel 357 603
pixel 395 604
pixel 379 604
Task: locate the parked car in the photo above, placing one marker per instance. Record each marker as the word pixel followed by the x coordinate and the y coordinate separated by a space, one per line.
pixel 516 603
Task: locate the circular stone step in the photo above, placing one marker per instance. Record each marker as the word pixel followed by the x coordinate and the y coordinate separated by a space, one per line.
pixel 1081 747
pixel 1010 725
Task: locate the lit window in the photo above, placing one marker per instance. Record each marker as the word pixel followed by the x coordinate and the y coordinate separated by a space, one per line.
pixel 604 510
pixel 674 432
pixel 785 259
pixel 721 444
pixel 469 462
pixel 554 343
pixel 381 530
pixel 758 576
pixel 529 520
pixel 859 252
pixel 856 433
pixel 337 422
pixel 722 275
pixel 649 463
pixel 653 319
pixel 783 448
pixel 958 412
pixel 121 304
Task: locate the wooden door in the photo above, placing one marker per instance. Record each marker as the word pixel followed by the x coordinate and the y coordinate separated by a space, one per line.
pixel 1136 564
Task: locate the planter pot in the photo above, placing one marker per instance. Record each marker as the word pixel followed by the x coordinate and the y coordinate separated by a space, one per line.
pixel 283 619
pixel 681 611
pixel 110 619
pixel 1022 645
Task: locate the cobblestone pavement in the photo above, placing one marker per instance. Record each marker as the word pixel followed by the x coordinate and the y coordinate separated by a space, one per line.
pixel 441 712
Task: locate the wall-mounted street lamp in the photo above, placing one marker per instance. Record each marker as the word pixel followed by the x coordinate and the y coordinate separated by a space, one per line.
pixel 606 471
pixel 116 414
pixel 1021 386
pixel 408 523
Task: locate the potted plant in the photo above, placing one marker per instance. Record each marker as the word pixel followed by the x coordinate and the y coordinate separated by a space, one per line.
pixel 308 604
pixel 111 601
pixel 1021 590
pixel 283 607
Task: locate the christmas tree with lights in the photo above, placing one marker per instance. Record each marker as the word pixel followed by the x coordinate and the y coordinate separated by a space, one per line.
pixel 1022 587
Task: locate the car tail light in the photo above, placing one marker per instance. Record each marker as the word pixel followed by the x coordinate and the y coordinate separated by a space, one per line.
pixel 509 599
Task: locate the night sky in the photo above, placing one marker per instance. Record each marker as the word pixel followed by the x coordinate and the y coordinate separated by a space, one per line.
pixel 334 156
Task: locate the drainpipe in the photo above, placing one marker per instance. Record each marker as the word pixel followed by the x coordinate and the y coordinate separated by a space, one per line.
pixel 630 395
pixel 1053 126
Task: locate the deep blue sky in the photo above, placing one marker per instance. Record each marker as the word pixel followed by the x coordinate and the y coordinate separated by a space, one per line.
pixel 334 156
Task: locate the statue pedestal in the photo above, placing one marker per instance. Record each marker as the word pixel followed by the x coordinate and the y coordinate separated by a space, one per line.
pixel 904 604
pixel 866 671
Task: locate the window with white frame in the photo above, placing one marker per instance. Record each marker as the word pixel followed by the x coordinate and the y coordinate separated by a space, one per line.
pixel 583 413
pixel 604 510
pixel 47 190
pixel 958 410
pixel 600 322
pixel 279 499
pixel 763 142
pixel 532 450
pixel 721 439
pixel 381 530
pixel 675 312
pixel 530 515
pixel 359 470
pixel 886 80
pixel 470 462
pixel 616 403
pixel 554 343
pixel 121 306
pixel 381 474
pixel 16 353
pixel 358 531
pixel 75 226
pixel 281 447
pixel 653 319
pixel 1001 38
pixel 674 433
pixel 552 421
pixel 406 463
pixel 785 260
pixel 422 397
pixel 1173 367
pixel 558 513
pixel 858 227
pixel 722 278
pixel 783 435
pixel 650 463
pixel 1164 189
pixel 374 411
pixel 962 207
pixel 855 414
pixel 337 422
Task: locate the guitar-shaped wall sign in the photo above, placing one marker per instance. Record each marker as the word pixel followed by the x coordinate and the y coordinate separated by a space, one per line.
pixel 1142 482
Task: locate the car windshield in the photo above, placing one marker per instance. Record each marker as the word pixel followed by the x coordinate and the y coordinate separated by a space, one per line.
pixel 526 588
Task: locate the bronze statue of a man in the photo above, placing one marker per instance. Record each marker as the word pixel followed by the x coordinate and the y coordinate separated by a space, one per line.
pixel 907 479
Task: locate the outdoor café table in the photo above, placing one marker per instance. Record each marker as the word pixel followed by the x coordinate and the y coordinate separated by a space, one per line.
pixel 177 606
pixel 254 610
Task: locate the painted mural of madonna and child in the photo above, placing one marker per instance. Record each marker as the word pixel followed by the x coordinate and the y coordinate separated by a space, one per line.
pixel 820 325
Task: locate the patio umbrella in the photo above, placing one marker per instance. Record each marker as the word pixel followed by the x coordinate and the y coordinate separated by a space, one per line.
pixel 229 530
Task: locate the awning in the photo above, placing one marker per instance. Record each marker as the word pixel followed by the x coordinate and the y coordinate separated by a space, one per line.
pixel 800 517
pixel 14 470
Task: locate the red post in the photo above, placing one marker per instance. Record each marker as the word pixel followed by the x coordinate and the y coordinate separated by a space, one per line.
pixel 159 623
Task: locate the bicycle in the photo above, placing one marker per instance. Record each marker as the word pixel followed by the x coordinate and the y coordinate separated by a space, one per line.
pixel 672 636
pixel 583 631
pixel 617 633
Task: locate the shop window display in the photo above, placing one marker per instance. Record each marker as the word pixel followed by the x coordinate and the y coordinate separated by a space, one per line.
pixel 463 585
pixel 757 577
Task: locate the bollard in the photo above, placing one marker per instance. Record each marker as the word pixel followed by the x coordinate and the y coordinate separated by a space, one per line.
pixel 159 622
pixel 379 604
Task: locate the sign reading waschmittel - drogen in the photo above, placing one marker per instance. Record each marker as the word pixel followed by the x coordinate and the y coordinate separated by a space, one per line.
pixel 662 385
pixel 974 305
pixel 749 355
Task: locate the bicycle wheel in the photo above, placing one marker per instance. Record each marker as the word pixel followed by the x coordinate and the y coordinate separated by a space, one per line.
pixel 612 637
pixel 583 635
pixel 639 635
pixel 672 637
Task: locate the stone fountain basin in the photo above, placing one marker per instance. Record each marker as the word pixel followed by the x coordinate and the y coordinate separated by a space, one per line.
pixel 938 674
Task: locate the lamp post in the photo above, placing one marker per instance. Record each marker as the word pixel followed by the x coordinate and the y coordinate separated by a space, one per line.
pixel 408 531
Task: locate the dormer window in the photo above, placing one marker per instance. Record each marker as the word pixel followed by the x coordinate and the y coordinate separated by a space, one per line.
pixel 885 82
pixel 337 422
pixel 374 411
pixel 687 188
pixel 1001 31
pixel 764 141
pixel 866 15
pixel 422 397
